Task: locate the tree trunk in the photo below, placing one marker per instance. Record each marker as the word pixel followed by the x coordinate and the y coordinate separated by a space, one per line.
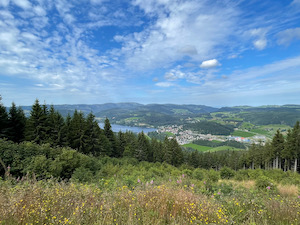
pixel 276 162
pixel 295 165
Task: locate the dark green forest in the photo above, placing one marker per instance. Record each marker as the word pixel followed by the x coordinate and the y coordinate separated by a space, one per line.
pixel 47 144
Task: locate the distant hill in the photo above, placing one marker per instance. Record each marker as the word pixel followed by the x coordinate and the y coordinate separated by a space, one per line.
pixel 164 114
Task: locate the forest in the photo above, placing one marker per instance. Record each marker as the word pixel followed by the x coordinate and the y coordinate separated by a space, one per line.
pixel 67 170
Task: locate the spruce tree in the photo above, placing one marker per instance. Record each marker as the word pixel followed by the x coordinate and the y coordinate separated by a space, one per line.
pixel 93 135
pixel 56 123
pixel 3 120
pixel 77 132
pixel 278 147
pixel 16 124
pixel 36 125
pixel 111 137
pixel 142 152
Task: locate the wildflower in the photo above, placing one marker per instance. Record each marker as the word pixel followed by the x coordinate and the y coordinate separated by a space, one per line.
pixel 192 185
pixel 204 182
pixel 219 193
pixel 151 182
pixel 182 175
pixel 139 181
pixel 268 187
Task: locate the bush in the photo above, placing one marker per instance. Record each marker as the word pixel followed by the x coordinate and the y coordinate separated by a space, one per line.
pixel 263 182
pixel 227 173
pixel 241 175
pixel 198 174
pixel 276 174
pixel 82 174
pixel 212 175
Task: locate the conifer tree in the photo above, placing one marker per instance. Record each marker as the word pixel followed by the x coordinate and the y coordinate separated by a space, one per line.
pixel 56 123
pixel 3 120
pixel 277 146
pixel 296 149
pixel 111 137
pixel 130 144
pixel 177 155
pixel 94 137
pixel 168 152
pixel 16 124
pixel 157 148
pixel 142 152
pixel 36 126
pixel 77 134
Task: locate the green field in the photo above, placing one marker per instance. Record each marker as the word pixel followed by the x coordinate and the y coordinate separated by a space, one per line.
pixel 240 133
pixel 200 148
pixel 260 131
pixel 223 148
pixel 169 134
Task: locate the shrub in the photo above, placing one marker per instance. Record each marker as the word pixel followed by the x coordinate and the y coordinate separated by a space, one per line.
pixel 241 175
pixel 82 174
pixel 212 175
pixel 263 182
pixel 227 173
pixel 198 174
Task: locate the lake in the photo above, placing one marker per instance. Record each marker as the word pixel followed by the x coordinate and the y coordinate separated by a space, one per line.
pixel 117 128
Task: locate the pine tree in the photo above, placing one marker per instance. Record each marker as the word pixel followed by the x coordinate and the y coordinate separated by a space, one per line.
pixel 157 148
pixel 93 135
pixel 177 155
pixel 77 132
pixel 288 150
pixel 16 124
pixel 56 123
pixel 168 152
pixel 36 126
pixel 296 150
pixel 130 144
pixel 3 120
pixel 277 146
pixel 111 137
pixel 142 152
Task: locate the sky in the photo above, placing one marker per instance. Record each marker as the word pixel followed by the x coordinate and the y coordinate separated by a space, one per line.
pixel 215 53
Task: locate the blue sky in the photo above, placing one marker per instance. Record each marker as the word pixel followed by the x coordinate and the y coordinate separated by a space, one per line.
pixel 216 53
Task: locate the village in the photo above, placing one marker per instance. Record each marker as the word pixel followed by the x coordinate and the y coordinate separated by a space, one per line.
pixel 188 136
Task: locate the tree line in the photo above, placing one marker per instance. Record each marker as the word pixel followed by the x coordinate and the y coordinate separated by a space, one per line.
pixel 282 152
pixel 65 141
pixel 82 133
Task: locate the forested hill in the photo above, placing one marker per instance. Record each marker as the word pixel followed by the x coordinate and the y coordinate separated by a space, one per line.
pixel 166 114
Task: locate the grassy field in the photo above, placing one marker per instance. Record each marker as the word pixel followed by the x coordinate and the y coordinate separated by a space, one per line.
pixel 176 200
pixel 261 131
pixel 200 148
pixel 245 134
pixel 223 148
pixel 211 149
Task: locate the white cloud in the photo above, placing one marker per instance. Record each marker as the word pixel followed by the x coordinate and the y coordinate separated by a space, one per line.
pixel 259 36
pixel 193 28
pixel 260 44
pixel 287 36
pixel 22 3
pixel 4 3
pixel 210 64
pixel 164 84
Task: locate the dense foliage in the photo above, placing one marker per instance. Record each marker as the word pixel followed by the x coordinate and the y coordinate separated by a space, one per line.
pixel 208 127
pixel 79 135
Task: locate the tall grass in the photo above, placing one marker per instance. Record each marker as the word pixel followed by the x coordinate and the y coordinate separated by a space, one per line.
pixel 182 201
